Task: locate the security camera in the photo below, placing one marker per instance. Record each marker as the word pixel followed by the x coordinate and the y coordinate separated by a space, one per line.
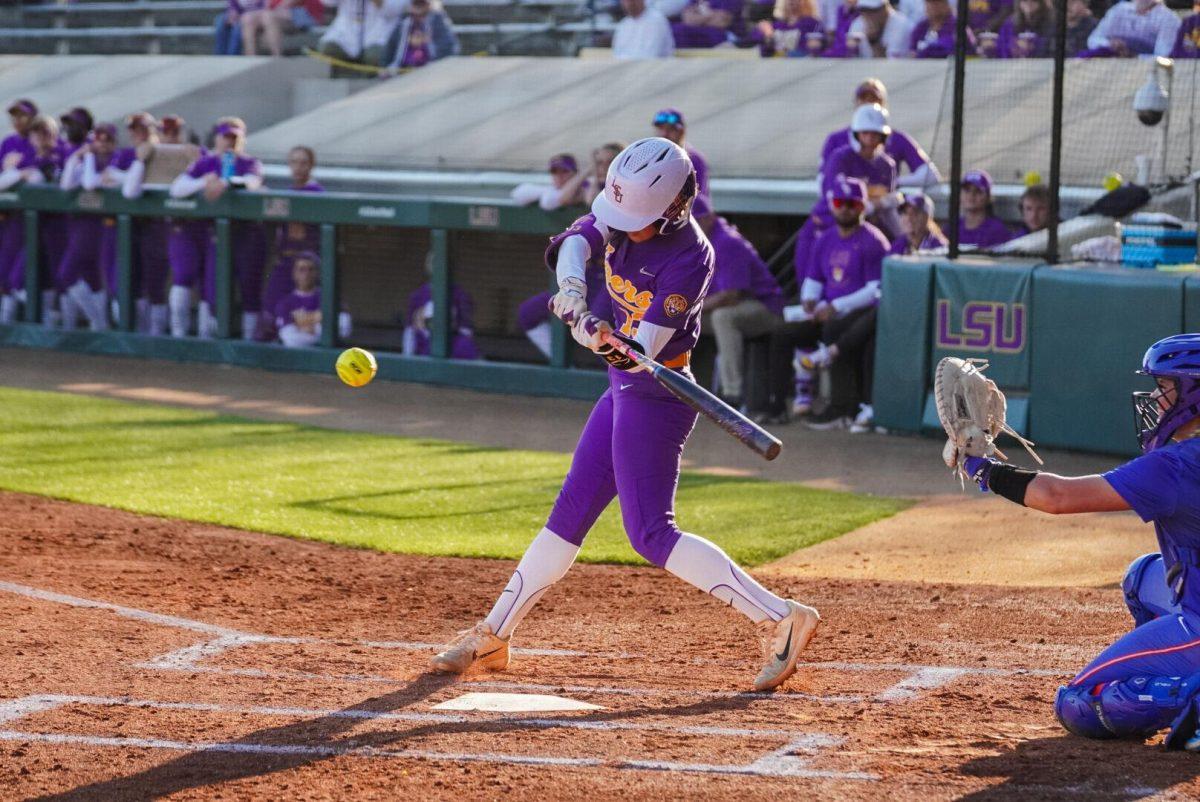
pixel 1152 100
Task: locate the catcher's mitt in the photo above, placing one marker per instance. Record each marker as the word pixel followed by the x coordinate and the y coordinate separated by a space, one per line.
pixel 972 409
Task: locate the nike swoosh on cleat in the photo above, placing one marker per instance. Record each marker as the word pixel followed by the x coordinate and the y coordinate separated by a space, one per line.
pixel 479 656
pixel 787 647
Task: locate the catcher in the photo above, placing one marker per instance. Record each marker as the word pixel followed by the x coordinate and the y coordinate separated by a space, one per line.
pixel 1149 678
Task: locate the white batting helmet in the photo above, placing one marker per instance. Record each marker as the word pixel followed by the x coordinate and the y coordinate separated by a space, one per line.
pixel 652 179
pixel 871 117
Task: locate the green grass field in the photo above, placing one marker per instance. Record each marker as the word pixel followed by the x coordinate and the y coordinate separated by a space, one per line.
pixel 390 493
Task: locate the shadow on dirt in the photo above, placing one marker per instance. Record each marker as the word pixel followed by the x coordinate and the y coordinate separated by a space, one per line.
pixel 333 733
pixel 1069 766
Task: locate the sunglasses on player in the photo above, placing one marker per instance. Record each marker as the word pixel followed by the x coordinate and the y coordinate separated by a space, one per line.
pixel 667 118
pixel 845 203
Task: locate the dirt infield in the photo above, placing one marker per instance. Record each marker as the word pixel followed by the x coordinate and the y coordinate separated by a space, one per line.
pixel 144 657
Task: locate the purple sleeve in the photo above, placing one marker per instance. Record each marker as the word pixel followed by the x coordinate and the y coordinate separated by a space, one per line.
pixel 202 166
pixel 283 311
pixel 681 285
pixel 464 309
pixel 907 150
pixel 420 296
pixel 1150 483
pixel 585 227
pixel 899 246
pixel 732 260
pixel 1185 40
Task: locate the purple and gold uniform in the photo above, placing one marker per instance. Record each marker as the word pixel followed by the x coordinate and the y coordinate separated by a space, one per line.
pixel 878 173
pixel 291 239
pixel 631 446
pixel 739 267
pixel 706 35
pixel 192 244
pixel 903 149
pixel 990 233
pixel 845 265
pixel 928 43
pixel 1187 41
pixel 789 38
pixel 50 232
pixel 296 301
pixel 983 13
pixel 462 323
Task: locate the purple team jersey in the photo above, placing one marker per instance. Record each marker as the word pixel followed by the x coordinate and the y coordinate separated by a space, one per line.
pixel 982 12
pixel 1187 41
pixel 739 267
pixel 15 143
pixel 931 242
pixel 1026 44
pixel 225 167
pixel 879 174
pixel 900 146
pixel 296 301
pixel 788 37
pixel 845 264
pixel 928 43
pixel 701 168
pixel 990 233
pixel 661 281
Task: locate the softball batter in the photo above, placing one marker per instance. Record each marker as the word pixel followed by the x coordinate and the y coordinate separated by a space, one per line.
pixel 658 265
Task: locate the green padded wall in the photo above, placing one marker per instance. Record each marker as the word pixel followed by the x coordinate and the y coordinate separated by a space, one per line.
pixel 1093 324
pixel 902 343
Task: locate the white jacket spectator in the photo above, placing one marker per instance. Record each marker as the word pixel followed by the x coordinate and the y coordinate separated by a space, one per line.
pixel 361 28
pixel 1137 28
pixel 643 33
pixel 881 31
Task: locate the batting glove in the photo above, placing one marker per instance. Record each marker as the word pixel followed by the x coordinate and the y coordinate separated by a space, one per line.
pixel 979 470
pixel 570 302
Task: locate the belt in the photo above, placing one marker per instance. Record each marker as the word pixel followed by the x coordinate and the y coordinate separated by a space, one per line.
pixel 682 361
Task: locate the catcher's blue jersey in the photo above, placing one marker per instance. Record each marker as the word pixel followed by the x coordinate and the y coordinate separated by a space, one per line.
pixel 1164 487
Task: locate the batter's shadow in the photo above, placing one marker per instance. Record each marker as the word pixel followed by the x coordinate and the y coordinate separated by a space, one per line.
pixel 1069 766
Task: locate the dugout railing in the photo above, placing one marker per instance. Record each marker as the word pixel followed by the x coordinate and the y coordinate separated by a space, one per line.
pixel 328 210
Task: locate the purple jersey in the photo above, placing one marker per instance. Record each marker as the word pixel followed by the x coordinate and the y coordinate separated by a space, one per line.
pixel 739 267
pixel 900 146
pixel 928 43
pixel 15 143
pixel 982 12
pixel 417 51
pixel 788 37
pixel 845 264
pixel 48 164
pixel 1187 42
pixel 701 167
pixel 662 280
pixel 879 174
pixel 226 165
pixel 122 159
pixel 1164 487
pixel 931 242
pixel 991 232
pixel 1025 44
pixel 461 306
pixel 296 301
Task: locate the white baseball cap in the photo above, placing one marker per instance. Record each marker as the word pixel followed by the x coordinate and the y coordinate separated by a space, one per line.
pixel 642 183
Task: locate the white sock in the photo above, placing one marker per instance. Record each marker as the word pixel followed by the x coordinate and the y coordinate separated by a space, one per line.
pixel 68 309
pixel 206 322
pixel 141 317
pixel 8 309
pixel 546 561
pixel 179 300
pixel 50 315
pixel 703 564
pixel 158 320
pixel 539 335
pixel 249 324
pixel 96 310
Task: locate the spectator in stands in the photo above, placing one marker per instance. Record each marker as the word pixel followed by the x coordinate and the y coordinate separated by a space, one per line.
pixel 744 300
pixel 864 159
pixel 298 313
pixel 794 30
pixel 840 297
pixel 1134 28
pixel 934 36
pixel 986 16
pixel 40 162
pixel 361 30
pixel 1080 24
pixel 417 339
pixel 213 175
pixel 669 124
pixel 708 23
pixel 979 226
pixel 913 9
pixel 880 31
pixel 291 240
pixel 273 18
pixel 227 30
pixel 642 33
pixel 1035 209
pixel 921 233
pixel 425 34
pixel 1029 32
pixel 565 185
pixel 844 15
pixel 1187 41
pixel 903 149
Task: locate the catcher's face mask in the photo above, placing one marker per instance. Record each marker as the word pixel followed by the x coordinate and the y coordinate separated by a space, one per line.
pixel 1159 413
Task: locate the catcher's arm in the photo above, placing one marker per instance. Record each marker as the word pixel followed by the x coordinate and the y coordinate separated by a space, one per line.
pixel 1047 492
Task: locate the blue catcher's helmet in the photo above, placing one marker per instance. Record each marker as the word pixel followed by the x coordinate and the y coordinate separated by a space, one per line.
pixel 1176 358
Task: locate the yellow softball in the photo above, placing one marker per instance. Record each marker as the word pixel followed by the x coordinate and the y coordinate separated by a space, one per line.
pixel 356 367
pixel 1113 181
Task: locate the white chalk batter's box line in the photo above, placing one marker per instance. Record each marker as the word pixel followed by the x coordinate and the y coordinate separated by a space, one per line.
pixel 793 759
pixel 920 679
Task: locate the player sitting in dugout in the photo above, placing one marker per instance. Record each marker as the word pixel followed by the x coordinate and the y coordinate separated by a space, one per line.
pixel 1149 679
pixel 417 339
pixel 298 313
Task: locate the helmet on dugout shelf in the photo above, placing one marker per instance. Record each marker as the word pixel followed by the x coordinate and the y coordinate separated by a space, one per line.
pixel 1176 358
pixel 651 180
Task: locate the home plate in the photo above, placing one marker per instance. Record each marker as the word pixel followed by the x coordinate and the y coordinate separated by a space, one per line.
pixel 514 703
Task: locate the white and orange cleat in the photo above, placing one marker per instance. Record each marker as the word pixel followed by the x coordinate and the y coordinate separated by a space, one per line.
pixel 782 643
pixel 475 645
